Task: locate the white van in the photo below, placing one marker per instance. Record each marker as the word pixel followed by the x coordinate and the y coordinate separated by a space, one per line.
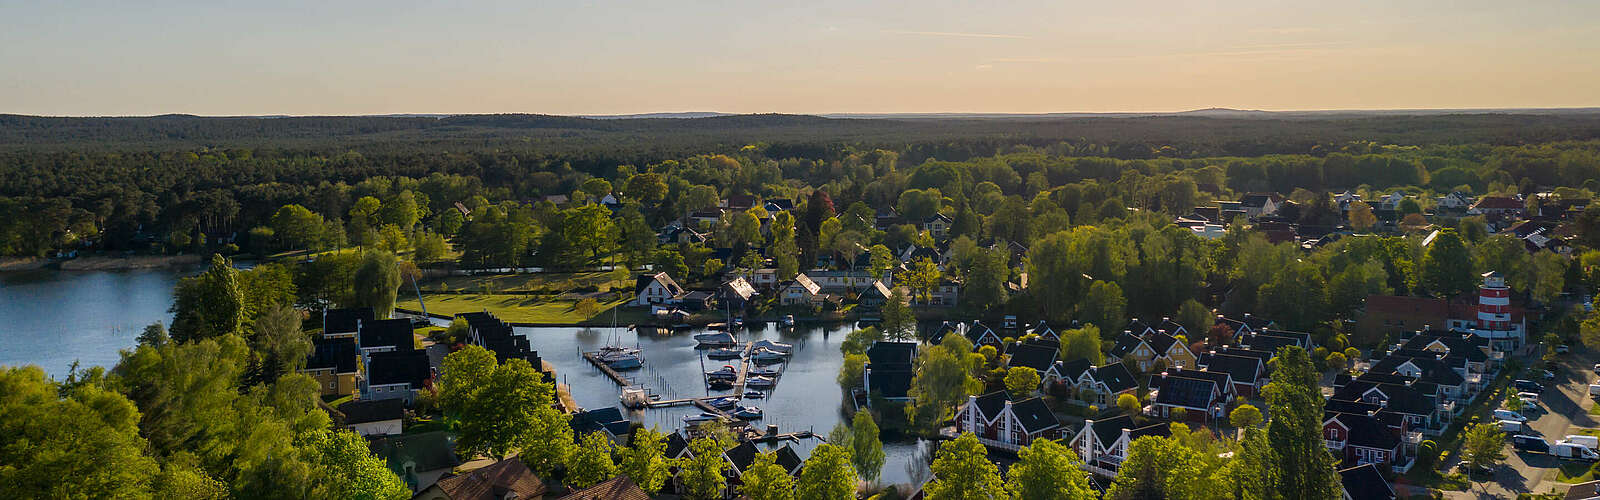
pixel 1509 415
pixel 1594 391
pixel 1591 441
pixel 1512 427
pixel 1573 451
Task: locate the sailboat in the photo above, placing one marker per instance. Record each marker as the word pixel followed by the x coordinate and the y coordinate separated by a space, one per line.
pixel 615 355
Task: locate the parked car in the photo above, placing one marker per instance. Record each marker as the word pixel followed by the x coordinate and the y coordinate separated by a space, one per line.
pixel 1584 439
pixel 1563 349
pixel 1512 426
pixel 1525 442
pixel 1594 391
pixel 1524 385
pixel 1528 396
pixel 1573 451
pixel 1549 375
pixel 1509 415
pixel 1597 368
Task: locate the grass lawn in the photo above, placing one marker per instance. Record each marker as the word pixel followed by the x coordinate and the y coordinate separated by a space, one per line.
pixel 1431 478
pixel 527 282
pixel 513 308
pixel 1573 472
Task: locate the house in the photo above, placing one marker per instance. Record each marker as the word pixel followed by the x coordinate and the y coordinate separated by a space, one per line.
pixel 981 335
pixel 617 488
pixel 385 335
pixel 1103 443
pixel 1413 405
pixel 1456 201
pixel 1428 367
pixel 1272 342
pixel 1498 207
pixel 487 331
pixel 506 479
pixel 874 296
pixel 607 420
pixel 1366 482
pixel 1044 331
pixel 1392 315
pixel 1361 439
pixel 945 294
pixel 800 291
pixel 1151 348
pixel 1584 491
pixel 658 288
pixel 556 199
pixel 1390 201
pixel 1203 395
pixel 776 205
pixel 345 322
pixel 1000 423
pixel 419 459
pixel 396 375
pixel 743 456
pixel 1245 324
pixel 937 225
pixel 844 280
pixel 1460 349
pixel 736 293
pixel 335 363
pixel 374 418
pixel 1249 373
pixel 1099 386
pixel 888 370
pixel 1259 204
pixel 739 202
pixel 1038 354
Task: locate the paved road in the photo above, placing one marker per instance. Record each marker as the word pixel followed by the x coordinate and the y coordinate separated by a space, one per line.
pixel 1564 406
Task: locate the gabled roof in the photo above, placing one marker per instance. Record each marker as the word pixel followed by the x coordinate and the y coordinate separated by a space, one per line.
pixel 977 331
pixel 1269 343
pixel 1244 370
pixel 1116 377
pixel 1125 345
pixel 889 382
pixel 1401 398
pixel 1170 326
pixel 339 354
pixel 394 333
pixel 617 488
pixel 1498 203
pixel 1188 389
pixel 1160 341
pixel 676 445
pixel 366 411
pixel 1137 327
pixel 1366 431
pixel 789 460
pixel 1107 431
pixel 937 217
pixel 1302 339
pixel 1034 415
pixel 884 353
pixel 805 282
pixel 1038 356
pixel 877 291
pixel 399 367
pixel 1073 369
pixel 609 418
pixel 742 456
pixel 644 280
pixel 1258 200
pixel 739 288
pixel 1366 482
pixel 990 405
pixel 494 482
pixel 345 320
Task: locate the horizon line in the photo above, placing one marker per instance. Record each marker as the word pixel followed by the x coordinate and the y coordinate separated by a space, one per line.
pixel 710 114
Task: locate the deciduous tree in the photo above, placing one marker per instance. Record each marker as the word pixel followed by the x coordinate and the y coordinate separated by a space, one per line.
pixel 645 462
pixel 1047 470
pixel 962 471
pixel 590 462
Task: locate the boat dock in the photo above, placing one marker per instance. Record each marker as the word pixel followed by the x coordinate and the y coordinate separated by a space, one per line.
pixel 594 359
pixel 744 369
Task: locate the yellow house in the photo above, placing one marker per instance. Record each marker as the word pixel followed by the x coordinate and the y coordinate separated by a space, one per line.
pixel 1151 347
pixel 336 366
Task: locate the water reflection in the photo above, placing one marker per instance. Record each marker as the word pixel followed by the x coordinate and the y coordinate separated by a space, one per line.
pixel 51 318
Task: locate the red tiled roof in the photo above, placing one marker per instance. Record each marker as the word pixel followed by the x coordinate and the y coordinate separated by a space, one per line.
pixel 1497 202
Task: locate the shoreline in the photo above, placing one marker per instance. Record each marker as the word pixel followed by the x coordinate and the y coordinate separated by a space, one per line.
pixel 100 263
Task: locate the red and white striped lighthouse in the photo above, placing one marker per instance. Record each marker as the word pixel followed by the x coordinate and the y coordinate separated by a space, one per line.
pixel 1494 303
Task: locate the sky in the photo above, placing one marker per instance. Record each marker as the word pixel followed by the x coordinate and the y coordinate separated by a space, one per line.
pixel 349 57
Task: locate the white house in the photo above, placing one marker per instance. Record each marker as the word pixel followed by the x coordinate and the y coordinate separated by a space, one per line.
pixel 658 288
pixel 999 422
pixel 800 291
pixel 1103 444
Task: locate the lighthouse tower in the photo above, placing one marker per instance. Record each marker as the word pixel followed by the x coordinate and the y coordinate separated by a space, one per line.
pixel 1494 303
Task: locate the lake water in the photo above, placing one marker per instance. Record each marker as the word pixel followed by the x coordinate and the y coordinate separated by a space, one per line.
pixel 51 318
pixel 806 397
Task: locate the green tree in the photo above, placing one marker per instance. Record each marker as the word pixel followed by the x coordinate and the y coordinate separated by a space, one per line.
pixel 899 323
pixel 154 335
pixel 297 227
pixel 1082 343
pixel 1483 446
pixel 671 262
pixel 279 343
pixel 1447 266
pixel 985 284
pixel 784 251
pixel 501 408
pixel 850 373
pixel 1361 216
pixel 701 474
pixel 1158 467
pixel 430 247
pixel 364 214
pixel 882 260
pixel 350 470
pixel 1304 467
pixel 942 380
pixel 591 462
pixel 766 480
pixel 81 442
pixel 827 475
pixel 376 282
pixel 1103 305
pixel 401 211
pixel 1244 416
pixel 866 447
pixel 1022 381
pixel 1296 298
pixel 962 470
pixel 1129 404
pixel 922 278
pixel 209 305
pixel 645 462
pixel 1047 470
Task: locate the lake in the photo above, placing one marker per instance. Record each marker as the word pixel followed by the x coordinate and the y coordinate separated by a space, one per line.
pixel 51 318
pixel 807 397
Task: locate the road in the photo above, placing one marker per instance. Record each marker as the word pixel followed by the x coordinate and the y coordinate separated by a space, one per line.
pixel 1564 406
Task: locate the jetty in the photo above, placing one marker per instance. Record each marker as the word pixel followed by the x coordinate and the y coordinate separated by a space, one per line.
pixel 594 359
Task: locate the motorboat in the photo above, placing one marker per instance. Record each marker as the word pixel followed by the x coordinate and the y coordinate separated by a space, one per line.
pixel 714 339
pixel 763 372
pixel 703 417
pixel 788 320
pixel 747 413
pixel 766 357
pixel 628 363
pixel 727 372
pixel 760 382
pixel 725 354
pixel 755 395
pixel 777 347
pixel 723 403
pixel 719 384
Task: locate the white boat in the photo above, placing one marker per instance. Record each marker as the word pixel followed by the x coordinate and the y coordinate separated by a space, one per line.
pixel 727 372
pixel 778 347
pixel 703 417
pixel 714 339
pixel 763 372
pixel 754 395
pixel 766 357
pixel 760 382
pixel 748 413
pixel 788 320
pixel 723 403
pixel 725 354
pixel 629 363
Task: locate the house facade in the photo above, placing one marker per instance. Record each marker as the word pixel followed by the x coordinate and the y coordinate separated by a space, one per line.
pixel 658 288
pixel 1001 423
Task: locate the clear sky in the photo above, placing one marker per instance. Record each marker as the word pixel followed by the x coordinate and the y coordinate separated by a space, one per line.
pixel 223 57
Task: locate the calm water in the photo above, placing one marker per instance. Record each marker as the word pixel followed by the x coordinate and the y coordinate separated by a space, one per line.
pixel 806 397
pixel 51 318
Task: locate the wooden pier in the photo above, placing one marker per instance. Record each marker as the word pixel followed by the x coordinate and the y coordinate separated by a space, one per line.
pixel 594 359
